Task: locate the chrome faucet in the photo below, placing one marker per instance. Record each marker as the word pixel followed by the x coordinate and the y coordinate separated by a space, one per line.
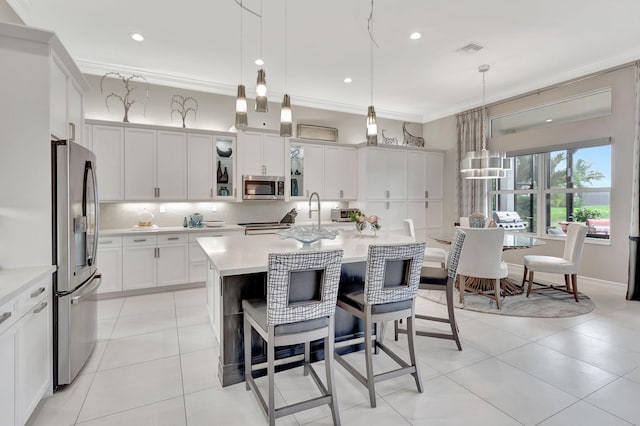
pixel 311 198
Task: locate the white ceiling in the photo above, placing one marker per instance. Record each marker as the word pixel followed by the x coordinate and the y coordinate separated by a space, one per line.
pixel 195 44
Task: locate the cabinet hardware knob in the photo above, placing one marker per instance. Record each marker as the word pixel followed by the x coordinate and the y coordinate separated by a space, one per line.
pixel 5 317
pixel 426 204
pixel 140 241
pixel 106 242
pixel 40 307
pixel 37 292
pixel 173 238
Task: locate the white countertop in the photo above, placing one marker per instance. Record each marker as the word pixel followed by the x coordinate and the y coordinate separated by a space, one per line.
pixel 245 254
pixel 13 281
pixel 168 230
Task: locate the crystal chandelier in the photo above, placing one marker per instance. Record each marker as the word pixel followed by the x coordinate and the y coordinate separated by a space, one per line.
pixel 484 164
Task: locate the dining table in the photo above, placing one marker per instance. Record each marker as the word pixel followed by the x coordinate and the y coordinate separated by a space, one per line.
pixel 512 241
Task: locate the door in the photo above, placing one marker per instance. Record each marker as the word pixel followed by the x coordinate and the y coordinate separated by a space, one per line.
pixel 7 372
pixel 200 160
pixel 138 267
pixel 108 146
pixel 171 166
pixel 139 164
pixel 83 325
pixel 173 264
pixel 250 147
pixel 416 175
pixel 273 155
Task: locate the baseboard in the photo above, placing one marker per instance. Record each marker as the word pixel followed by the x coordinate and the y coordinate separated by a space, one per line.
pixel 150 290
pixel 516 270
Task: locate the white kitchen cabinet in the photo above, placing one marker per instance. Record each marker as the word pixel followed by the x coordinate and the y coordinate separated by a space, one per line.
pixel 341 173
pixel 416 176
pixel 25 352
pixel 307 170
pixel 211 165
pixel 139 262
pixel 108 146
pixel 172 259
pixel 151 261
pixel 198 260
pixel 66 118
pixel 34 373
pixel 155 165
pixel 8 350
pixel 434 162
pixel 416 210
pixel 433 216
pixel 110 264
pixel 390 213
pixel 386 172
pixel 261 154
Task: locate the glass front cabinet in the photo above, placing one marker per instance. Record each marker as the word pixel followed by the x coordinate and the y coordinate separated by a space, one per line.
pixel 307 170
pixel 212 167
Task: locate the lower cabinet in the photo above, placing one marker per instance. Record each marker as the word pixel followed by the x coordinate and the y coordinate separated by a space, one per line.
pixel 154 260
pixel 25 352
pixel 110 264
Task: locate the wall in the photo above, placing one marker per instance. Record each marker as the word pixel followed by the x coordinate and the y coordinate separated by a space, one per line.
pixel 607 261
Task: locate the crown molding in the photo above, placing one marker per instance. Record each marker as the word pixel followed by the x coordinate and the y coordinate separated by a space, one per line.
pixel 190 83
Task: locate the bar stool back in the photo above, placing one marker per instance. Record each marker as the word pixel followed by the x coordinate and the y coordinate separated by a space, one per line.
pixel 390 287
pixel 302 288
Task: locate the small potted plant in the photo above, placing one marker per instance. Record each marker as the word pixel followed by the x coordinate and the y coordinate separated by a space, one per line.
pixel 360 220
pixel 375 225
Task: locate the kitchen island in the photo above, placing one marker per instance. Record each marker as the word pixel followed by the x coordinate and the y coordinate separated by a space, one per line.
pixel 238 270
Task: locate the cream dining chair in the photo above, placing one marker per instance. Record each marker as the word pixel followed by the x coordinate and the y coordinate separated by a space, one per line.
pixel 481 257
pixel 567 264
pixel 431 254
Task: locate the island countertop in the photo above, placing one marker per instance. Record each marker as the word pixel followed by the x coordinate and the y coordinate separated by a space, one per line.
pixel 246 254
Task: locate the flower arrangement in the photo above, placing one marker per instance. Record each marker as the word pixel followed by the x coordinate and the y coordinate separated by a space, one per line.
pixel 361 221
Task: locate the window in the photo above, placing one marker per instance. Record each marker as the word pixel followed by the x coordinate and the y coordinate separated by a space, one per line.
pixel 550 189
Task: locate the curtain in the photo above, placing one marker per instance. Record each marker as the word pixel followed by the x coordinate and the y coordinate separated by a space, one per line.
pixel 472 193
pixel 633 287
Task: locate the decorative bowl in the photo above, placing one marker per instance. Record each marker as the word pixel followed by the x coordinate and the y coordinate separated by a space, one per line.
pixel 307 234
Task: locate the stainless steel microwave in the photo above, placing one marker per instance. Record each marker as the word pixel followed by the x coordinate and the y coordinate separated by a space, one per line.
pixel 262 187
pixel 342 215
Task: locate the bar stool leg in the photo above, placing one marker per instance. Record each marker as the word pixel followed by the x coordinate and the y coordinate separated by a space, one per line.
pixel 369 357
pixel 328 363
pixel 452 317
pixel 411 332
pixel 271 372
pixel 247 352
pixel 307 357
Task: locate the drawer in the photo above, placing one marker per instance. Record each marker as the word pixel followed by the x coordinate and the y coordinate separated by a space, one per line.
pixel 110 242
pixel 8 314
pixel 172 239
pixel 34 295
pixel 193 236
pixel 139 240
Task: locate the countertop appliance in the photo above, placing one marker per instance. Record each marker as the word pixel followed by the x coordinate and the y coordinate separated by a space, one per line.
pixel 75 243
pixel 259 228
pixel 509 221
pixel 262 187
pixel 342 214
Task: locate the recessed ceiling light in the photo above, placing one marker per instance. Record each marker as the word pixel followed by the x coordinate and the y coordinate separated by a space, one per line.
pixel 549 120
pixel 415 36
pixel 137 37
pixel 259 62
pixel 348 80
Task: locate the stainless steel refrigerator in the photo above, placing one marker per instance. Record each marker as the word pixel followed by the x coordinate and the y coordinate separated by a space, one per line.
pixel 75 242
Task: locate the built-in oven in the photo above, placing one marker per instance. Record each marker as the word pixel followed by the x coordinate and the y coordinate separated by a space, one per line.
pixel 262 187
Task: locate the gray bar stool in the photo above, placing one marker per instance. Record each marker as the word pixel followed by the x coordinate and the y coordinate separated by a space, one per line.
pixel 441 279
pixel 390 287
pixel 302 289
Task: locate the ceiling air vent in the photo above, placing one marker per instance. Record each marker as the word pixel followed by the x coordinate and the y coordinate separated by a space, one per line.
pixel 470 48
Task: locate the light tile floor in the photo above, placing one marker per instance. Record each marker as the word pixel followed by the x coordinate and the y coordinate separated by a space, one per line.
pixel 156 364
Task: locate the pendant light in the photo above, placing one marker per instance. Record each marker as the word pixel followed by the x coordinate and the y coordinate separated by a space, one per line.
pixel 241 100
pixel 261 82
pixel 286 119
pixel 484 164
pixel 372 126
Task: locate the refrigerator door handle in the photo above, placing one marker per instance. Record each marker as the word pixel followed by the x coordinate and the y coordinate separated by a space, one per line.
pixel 90 172
pixel 91 287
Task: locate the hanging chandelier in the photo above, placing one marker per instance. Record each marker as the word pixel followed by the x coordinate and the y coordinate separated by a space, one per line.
pixel 241 100
pixel 261 82
pixel 372 126
pixel 484 164
pixel 286 119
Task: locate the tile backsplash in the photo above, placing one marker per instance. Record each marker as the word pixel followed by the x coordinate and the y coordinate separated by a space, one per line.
pixel 125 215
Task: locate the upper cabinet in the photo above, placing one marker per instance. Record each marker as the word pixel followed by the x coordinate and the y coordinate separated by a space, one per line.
pixel 341 173
pixel 211 165
pixel 434 171
pixel 108 146
pixel 261 154
pixel 155 165
pixel 66 103
pixel 307 170
pixel 386 174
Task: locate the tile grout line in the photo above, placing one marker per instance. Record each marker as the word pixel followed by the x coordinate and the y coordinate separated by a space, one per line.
pixel 184 399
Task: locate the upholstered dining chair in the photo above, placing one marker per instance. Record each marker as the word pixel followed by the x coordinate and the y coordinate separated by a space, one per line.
pixel 481 258
pixel 391 282
pixel 431 254
pixel 440 279
pixel 302 289
pixel 567 265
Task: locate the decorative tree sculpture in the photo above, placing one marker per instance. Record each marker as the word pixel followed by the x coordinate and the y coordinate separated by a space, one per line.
pixel 180 102
pixel 127 100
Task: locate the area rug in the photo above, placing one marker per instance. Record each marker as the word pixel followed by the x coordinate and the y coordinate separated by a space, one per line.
pixel 542 303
